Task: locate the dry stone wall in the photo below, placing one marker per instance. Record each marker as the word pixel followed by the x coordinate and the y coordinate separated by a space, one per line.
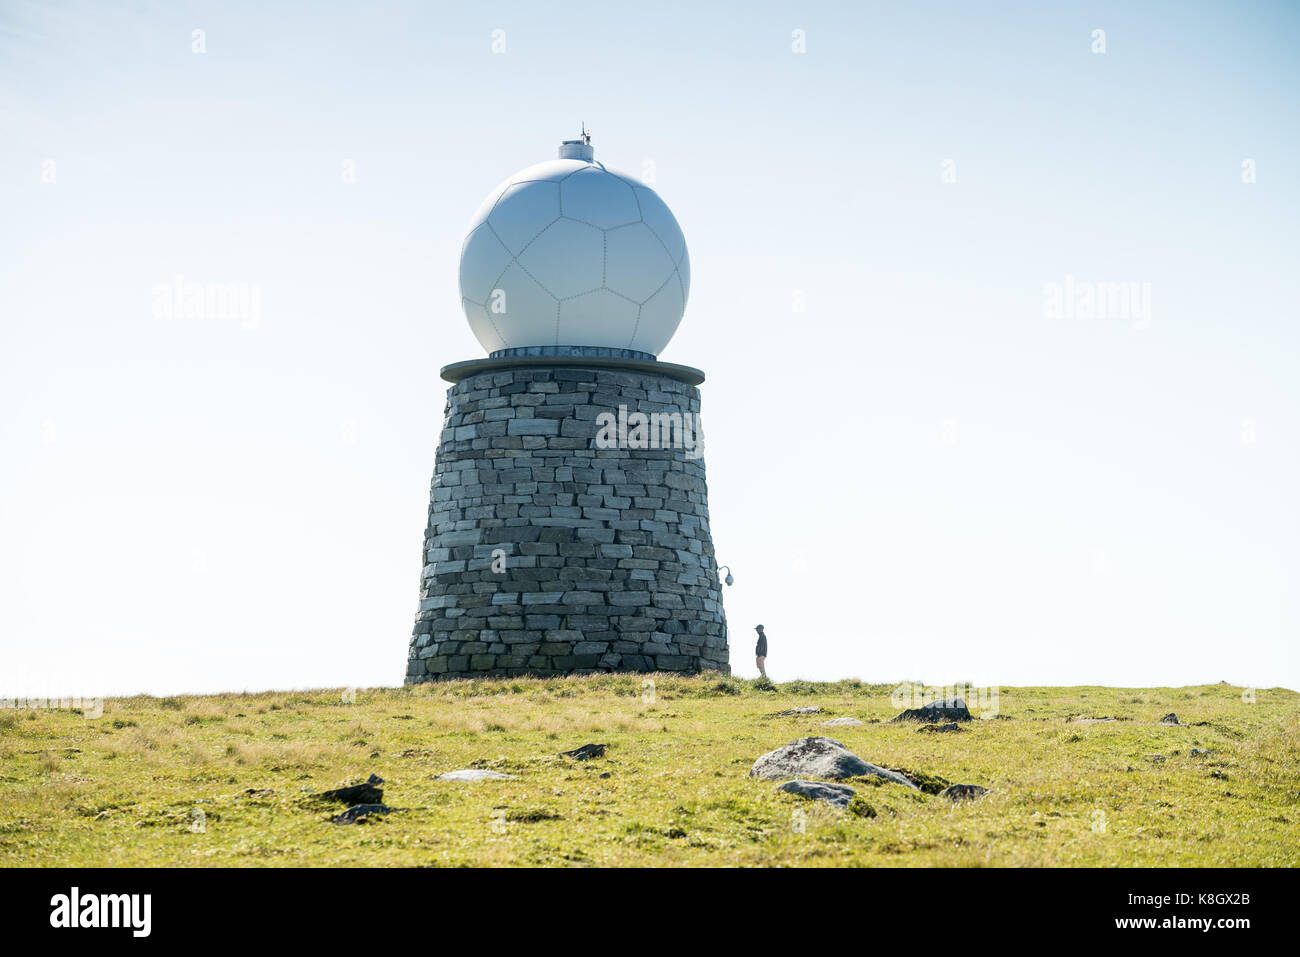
pixel 548 553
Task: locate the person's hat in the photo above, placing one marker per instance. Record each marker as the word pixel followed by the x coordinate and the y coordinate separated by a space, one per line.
pixel 758 627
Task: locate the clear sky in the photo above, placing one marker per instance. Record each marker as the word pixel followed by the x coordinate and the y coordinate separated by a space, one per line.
pixel 918 468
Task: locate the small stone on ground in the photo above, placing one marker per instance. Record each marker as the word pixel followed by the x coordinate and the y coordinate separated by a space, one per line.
pixel 963 792
pixel 819 758
pixel 474 774
pixel 359 812
pixel 369 792
pixel 837 794
pixel 952 709
pixel 586 752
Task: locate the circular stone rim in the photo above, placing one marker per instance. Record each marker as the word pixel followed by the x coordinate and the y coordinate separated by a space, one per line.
pixel 458 371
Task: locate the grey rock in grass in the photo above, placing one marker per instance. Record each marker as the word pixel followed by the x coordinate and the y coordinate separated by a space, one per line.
pixel 963 792
pixel 952 726
pixel 368 792
pixel 838 795
pixel 474 774
pixel 359 812
pixel 1201 753
pixel 810 709
pixel 844 722
pixel 586 752
pixel 1157 758
pixel 951 709
pixel 1170 718
pixel 819 758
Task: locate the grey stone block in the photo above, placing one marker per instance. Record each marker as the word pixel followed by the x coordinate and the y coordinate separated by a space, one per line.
pixel 672 662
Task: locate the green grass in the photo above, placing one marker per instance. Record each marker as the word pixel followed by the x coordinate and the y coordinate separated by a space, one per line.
pixel 123 789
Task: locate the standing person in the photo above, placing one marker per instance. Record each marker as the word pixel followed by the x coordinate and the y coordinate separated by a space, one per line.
pixel 760 650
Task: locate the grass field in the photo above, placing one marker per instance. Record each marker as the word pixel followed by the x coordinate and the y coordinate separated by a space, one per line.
pixel 230 779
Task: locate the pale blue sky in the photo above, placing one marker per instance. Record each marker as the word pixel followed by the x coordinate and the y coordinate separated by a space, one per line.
pixel 921 475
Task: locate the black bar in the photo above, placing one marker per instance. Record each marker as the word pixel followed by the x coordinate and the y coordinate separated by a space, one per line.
pixel 338 906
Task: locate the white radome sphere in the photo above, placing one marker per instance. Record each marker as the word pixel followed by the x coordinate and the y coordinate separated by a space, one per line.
pixel 572 253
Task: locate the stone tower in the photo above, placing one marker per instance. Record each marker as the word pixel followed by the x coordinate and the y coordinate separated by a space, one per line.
pixel 568 526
